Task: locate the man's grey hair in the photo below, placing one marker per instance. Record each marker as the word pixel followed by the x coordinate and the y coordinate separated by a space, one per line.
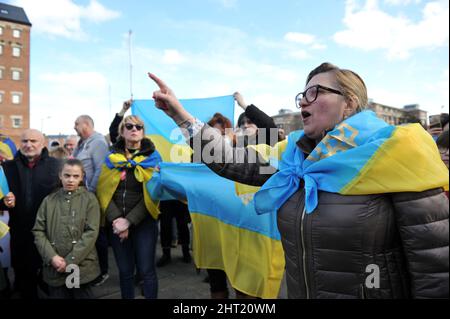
pixel 87 119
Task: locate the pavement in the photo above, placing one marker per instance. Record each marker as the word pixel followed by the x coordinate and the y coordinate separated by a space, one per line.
pixel 177 280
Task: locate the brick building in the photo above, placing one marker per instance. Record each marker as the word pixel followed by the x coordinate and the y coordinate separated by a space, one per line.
pixel 14 71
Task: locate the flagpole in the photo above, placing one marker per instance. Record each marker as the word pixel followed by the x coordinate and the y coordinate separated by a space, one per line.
pixel 131 66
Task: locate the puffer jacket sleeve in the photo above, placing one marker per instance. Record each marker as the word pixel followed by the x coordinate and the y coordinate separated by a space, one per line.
pixel 422 220
pixel 243 165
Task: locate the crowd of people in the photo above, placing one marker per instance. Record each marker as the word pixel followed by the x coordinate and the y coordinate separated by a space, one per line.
pixel 67 204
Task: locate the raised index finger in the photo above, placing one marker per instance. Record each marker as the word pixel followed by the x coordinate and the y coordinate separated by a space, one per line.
pixel 158 81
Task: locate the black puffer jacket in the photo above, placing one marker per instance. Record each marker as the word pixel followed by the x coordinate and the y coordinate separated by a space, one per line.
pixel 403 235
pixel 330 252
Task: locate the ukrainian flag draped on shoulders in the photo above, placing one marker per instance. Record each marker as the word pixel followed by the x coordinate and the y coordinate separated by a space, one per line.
pixel 227 232
pixel 115 164
pixel 362 155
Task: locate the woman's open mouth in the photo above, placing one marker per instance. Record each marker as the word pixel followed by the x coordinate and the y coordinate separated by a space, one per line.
pixel 305 115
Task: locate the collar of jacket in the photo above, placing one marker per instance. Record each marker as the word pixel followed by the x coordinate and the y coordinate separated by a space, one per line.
pixel 306 145
pixel 24 160
pixel 147 147
pixel 72 194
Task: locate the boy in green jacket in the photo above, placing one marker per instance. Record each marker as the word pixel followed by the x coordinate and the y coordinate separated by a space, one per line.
pixel 65 232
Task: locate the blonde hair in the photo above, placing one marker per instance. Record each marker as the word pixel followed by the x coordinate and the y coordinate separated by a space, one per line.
pixel 350 84
pixel 133 119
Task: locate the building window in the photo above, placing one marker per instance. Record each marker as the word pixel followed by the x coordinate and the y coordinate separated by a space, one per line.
pixel 1 96
pixel 1 120
pixel 16 121
pixel 16 51
pixel 1 30
pixel 16 98
pixel 1 72
pixel 16 75
pixel 16 33
pixel 1 49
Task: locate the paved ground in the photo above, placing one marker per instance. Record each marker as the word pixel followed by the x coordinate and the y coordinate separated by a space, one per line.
pixel 177 280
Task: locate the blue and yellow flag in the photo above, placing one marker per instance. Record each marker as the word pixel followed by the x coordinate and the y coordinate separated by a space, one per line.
pixel 362 155
pixel 110 178
pixel 228 234
pixel 166 135
pixel 4 189
pixel 7 147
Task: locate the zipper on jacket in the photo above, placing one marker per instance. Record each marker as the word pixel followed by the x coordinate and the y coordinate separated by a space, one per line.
pixel 304 252
pixel 124 194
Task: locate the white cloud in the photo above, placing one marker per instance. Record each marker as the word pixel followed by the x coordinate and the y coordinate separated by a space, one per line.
pixel 228 3
pixel 64 17
pixel 370 28
pixel 299 54
pixel 64 96
pixel 172 57
pixel 297 37
pixel 401 2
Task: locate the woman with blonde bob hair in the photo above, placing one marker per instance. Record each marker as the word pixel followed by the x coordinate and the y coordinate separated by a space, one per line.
pixel 358 214
pixel 127 210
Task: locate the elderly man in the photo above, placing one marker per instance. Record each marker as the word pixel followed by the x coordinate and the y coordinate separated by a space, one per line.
pixel 92 150
pixel 71 143
pixel 31 175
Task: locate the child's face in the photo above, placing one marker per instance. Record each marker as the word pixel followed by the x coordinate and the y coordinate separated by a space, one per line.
pixel 71 177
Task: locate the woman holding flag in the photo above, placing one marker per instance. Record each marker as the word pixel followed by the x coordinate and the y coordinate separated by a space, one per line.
pixel 359 216
pixel 127 209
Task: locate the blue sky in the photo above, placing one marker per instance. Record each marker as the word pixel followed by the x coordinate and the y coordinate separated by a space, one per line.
pixel 203 48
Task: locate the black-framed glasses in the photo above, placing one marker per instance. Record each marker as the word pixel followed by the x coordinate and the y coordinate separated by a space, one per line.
pixel 311 93
pixel 130 126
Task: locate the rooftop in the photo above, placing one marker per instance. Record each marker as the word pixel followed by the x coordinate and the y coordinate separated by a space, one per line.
pixel 13 14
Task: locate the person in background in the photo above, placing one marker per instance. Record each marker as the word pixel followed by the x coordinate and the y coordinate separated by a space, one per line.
pixel 91 151
pixel 254 122
pixel 113 128
pixel 65 232
pixel 59 153
pixel 71 143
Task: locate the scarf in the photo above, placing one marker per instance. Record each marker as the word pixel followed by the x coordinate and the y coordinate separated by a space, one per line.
pixel 109 178
pixel 362 155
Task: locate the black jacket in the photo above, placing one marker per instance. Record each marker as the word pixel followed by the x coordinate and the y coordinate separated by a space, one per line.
pixel 30 186
pixel 332 252
pixel 267 130
pixel 114 128
pixel 128 199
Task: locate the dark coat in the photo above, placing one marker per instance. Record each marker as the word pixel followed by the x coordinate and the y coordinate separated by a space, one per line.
pixel 128 199
pixel 265 125
pixel 329 253
pixel 30 186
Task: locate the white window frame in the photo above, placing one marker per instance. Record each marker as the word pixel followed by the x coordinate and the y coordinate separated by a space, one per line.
pixel 14 118
pixel 14 50
pixel 2 71
pixel 2 28
pixel 17 32
pixel 17 71
pixel 19 94
pixel 1 48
